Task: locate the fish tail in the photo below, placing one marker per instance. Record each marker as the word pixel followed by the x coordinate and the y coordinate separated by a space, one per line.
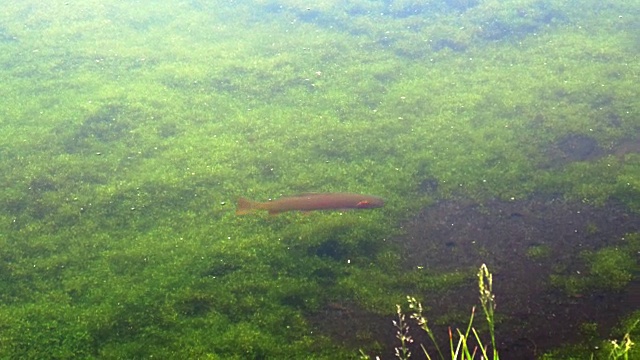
pixel 246 206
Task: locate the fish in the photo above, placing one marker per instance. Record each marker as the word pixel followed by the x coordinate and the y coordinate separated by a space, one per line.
pixel 310 202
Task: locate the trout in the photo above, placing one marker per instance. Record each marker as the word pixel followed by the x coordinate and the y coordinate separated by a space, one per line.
pixel 310 202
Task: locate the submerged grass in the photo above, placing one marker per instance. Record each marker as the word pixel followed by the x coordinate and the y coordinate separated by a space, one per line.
pixel 128 131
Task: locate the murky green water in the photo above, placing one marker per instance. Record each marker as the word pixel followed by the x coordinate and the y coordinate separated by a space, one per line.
pixel 129 129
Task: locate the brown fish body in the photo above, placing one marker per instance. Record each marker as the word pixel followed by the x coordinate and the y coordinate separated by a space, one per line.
pixel 310 202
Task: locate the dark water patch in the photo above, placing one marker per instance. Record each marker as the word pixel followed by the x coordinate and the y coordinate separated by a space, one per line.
pixel 521 22
pixel 345 246
pixel 168 130
pixel 525 243
pixel 106 125
pixel 122 264
pixel 428 186
pixel 252 84
pixel 351 326
pixel 399 10
pixel 6 36
pixel 46 197
pixel 116 125
pixel 295 300
pixel 501 30
pixel 129 321
pixel 310 15
pixel 612 119
pixel 571 148
pixel 626 146
pixel 273 7
pixel 331 248
pixel 407 9
pixel 269 171
pixel 578 147
pixel 198 304
pixel 43 184
pixel 35 205
pixel 601 101
pixel 451 44
pixel 334 147
pixel 358 9
pixel 67 63
pixel 386 77
pixel 461 5
pixel 221 268
pixel 325 276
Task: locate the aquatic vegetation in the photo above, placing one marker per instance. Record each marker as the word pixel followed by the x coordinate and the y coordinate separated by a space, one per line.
pixel 468 345
pixel 607 269
pixel 129 131
pixel 622 347
pixel 538 251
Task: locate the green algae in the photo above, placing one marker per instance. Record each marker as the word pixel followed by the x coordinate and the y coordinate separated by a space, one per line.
pixel 606 269
pixel 126 129
pixel 538 252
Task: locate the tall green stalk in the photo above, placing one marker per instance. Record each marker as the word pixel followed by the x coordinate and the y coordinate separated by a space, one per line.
pixel 487 300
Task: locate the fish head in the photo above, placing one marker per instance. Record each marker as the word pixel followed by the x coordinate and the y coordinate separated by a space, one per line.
pixel 370 203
